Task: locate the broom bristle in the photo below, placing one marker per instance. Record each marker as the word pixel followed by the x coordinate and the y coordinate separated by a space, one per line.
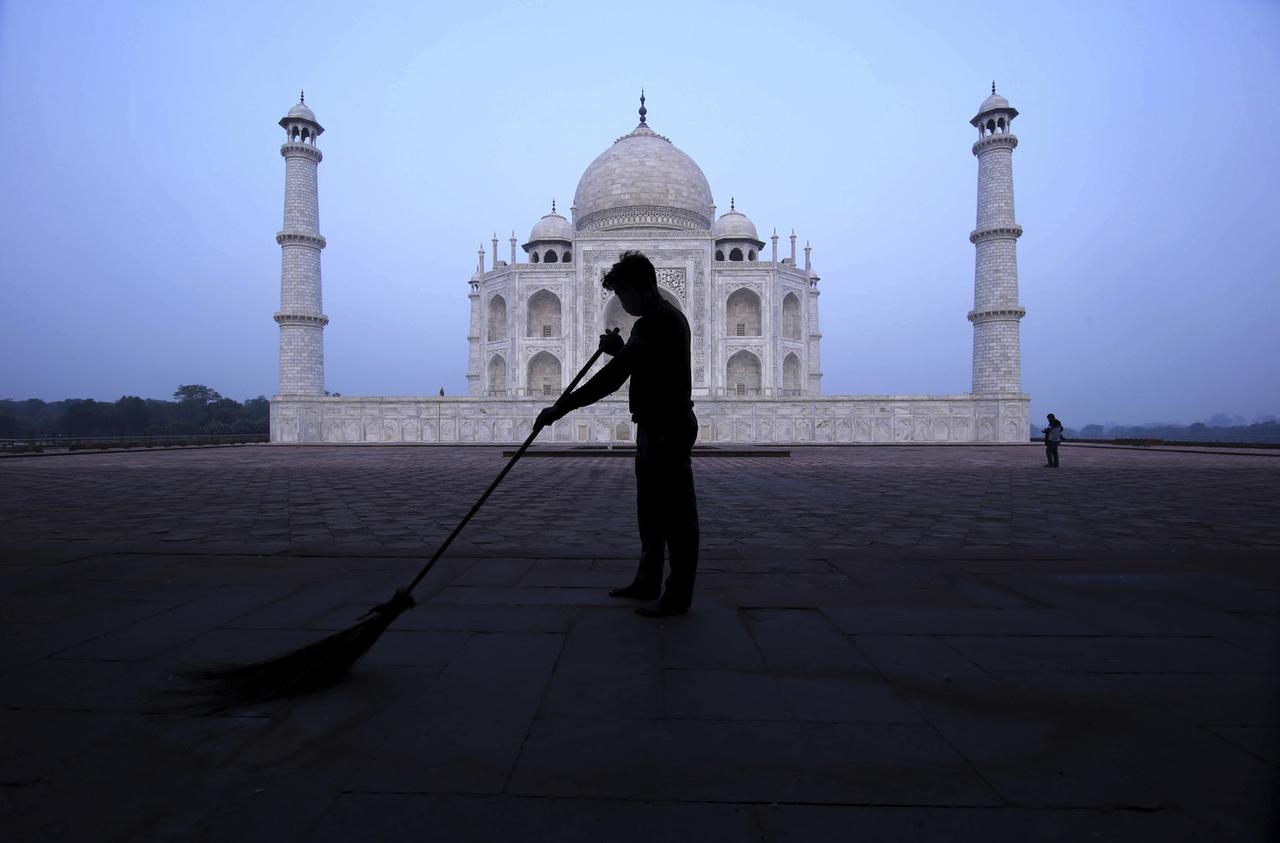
pixel 317 665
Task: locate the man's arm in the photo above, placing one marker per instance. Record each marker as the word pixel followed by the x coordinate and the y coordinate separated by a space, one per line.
pixel 602 383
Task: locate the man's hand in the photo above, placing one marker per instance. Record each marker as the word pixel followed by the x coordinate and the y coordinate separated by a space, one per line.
pixel 550 415
pixel 611 341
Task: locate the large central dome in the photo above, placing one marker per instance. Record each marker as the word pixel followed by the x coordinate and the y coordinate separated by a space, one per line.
pixel 642 181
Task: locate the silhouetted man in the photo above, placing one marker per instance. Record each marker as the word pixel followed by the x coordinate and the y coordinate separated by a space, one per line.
pixel 656 358
pixel 1052 439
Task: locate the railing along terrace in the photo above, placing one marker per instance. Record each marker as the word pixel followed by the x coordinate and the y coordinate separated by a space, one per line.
pixel 1242 441
pixel 102 443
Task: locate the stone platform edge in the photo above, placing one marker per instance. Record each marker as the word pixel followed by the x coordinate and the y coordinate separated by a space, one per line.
pixel 834 419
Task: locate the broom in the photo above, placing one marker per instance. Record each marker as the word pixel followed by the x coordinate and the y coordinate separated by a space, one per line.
pixel 324 662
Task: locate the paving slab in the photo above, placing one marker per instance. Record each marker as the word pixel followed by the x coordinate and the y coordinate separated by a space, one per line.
pixel 837 824
pixel 609 666
pixel 462 732
pixel 471 819
pixel 723 695
pixel 803 642
pixel 735 761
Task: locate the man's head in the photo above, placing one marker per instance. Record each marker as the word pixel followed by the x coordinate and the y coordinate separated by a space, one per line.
pixel 1051 417
pixel 634 281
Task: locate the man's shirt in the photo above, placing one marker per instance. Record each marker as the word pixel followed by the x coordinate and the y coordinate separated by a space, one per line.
pixel 656 358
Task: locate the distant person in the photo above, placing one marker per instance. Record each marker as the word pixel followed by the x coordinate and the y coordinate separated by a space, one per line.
pixel 442 392
pixel 1052 438
pixel 656 358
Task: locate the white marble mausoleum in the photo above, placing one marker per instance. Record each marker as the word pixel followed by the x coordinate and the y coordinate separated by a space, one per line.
pixel 754 315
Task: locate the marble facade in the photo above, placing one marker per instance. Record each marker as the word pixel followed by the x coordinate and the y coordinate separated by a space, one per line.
pixel 883 419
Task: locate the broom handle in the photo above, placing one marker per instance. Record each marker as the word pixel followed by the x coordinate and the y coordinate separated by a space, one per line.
pixel 518 454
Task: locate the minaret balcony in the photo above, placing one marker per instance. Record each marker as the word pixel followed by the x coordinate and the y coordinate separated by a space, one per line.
pixel 301 238
pixel 995 232
pixel 998 314
pixel 306 150
pixel 312 319
pixel 991 141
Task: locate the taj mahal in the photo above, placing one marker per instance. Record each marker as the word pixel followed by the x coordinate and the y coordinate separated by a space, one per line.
pixel 754 315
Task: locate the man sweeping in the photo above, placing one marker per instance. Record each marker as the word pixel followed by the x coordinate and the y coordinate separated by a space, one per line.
pixel 656 358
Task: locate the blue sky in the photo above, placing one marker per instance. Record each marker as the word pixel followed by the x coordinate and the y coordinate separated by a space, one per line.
pixel 142 185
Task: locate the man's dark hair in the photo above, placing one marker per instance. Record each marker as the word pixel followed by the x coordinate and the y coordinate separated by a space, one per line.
pixel 632 270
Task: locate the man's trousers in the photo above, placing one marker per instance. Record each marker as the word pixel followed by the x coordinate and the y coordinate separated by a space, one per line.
pixel 666 507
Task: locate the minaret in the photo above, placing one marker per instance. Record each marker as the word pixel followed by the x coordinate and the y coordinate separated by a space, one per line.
pixel 997 355
pixel 475 360
pixel 300 317
pixel 814 353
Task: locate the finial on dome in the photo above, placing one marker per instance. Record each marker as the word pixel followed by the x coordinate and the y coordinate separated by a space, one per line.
pixel 643 110
pixel 993 87
pixel 553 206
pixel 732 207
pixel 302 96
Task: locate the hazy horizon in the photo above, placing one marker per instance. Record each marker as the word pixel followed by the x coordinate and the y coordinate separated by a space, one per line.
pixel 145 187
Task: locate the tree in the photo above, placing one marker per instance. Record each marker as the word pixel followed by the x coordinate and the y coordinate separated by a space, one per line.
pixel 196 392
pixel 88 418
pixel 131 416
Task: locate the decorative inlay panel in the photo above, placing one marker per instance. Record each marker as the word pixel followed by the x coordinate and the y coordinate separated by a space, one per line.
pixel 673 279
pixel 643 216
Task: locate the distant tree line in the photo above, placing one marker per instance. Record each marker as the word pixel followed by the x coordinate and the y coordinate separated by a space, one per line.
pixel 1219 428
pixel 195 409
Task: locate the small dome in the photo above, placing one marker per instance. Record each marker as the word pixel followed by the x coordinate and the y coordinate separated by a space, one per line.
pixel 734 226
pixel 551 227
pixel 300 111
pixel 993 102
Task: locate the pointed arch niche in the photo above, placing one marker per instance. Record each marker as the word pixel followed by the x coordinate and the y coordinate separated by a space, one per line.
pixel 791 375
pixel 742 313
pixel 544 315
pixel 544 374
pixel 497 318
pixel 742 374
pixel 791 317
pixel 497 375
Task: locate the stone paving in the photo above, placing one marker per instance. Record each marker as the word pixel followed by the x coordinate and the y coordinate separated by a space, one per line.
pixel 888 643
pixel 837 498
